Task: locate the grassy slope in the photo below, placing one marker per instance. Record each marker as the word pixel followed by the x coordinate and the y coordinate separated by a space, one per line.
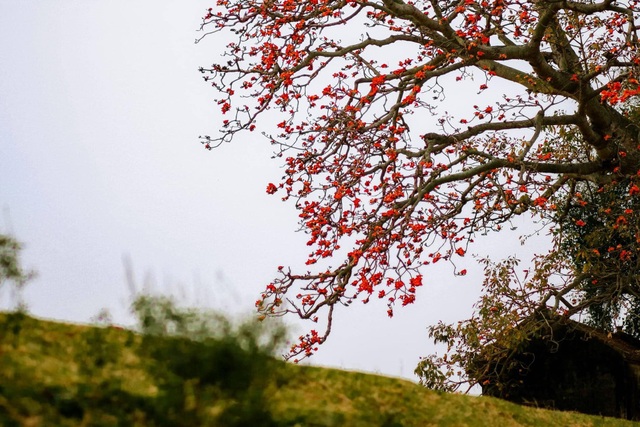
pixel 54 374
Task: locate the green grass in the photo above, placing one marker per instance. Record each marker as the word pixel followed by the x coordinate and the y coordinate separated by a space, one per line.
pixel 55 374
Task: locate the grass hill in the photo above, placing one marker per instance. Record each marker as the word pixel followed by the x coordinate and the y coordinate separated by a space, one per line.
pixel 56 374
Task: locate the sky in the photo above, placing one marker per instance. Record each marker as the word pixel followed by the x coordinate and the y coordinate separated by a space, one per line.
pixel 101 106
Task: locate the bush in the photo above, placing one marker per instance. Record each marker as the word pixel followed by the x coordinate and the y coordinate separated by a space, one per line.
pixel 209 370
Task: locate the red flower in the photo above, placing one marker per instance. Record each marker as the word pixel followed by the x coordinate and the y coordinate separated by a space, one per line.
pixel 378 80
pixel 580 223
pixel 271 188
pixel 540 201
pixel 416 281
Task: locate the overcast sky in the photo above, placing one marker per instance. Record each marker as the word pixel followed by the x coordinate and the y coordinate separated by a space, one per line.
pixel 101 105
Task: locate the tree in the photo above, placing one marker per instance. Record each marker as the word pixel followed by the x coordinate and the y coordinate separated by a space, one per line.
pixel 377 162
pixel 11 270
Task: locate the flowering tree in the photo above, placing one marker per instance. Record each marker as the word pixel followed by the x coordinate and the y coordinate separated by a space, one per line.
pixel 390 177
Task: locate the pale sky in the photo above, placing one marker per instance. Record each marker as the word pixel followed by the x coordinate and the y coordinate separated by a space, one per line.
pixel 101 105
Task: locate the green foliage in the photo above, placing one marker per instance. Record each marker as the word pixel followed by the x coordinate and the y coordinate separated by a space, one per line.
pixel 506 317
pixel 599 234
pixel 430 375
pixel 9 264
pixel 11 270
pixel 202 358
